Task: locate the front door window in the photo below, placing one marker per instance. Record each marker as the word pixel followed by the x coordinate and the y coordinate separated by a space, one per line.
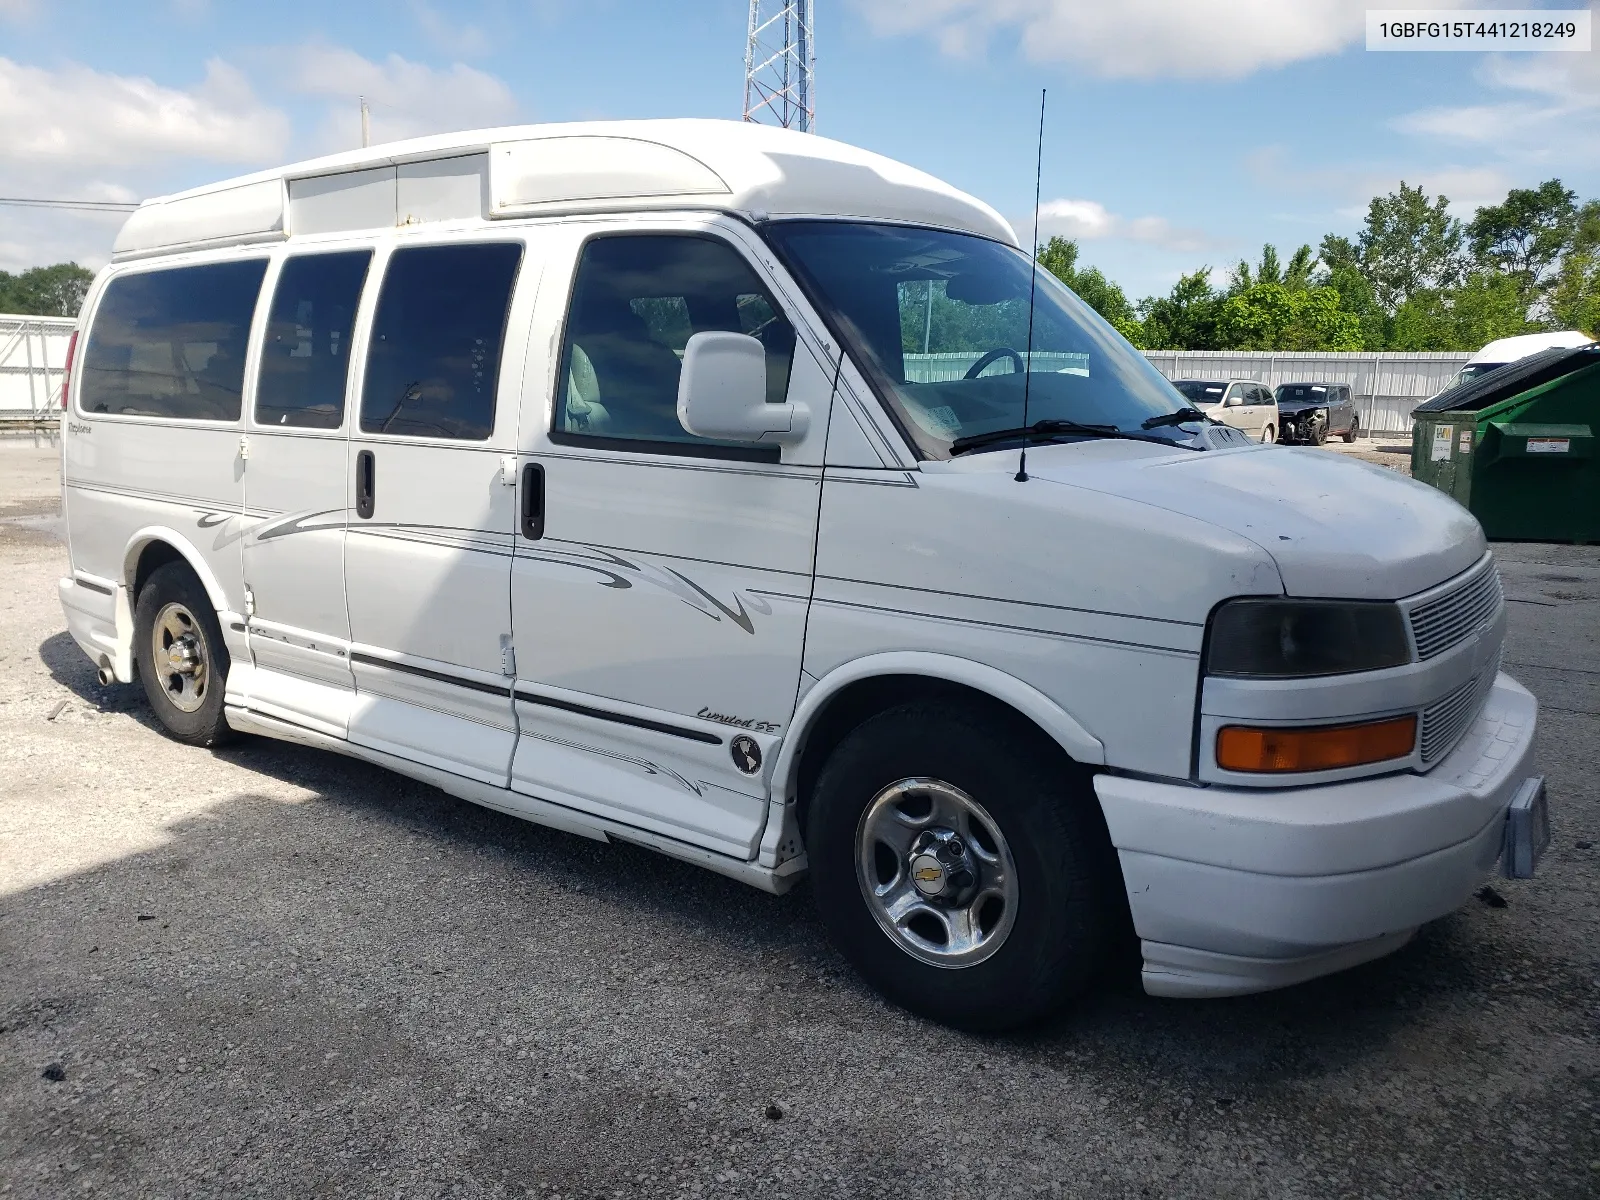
pixel 636 301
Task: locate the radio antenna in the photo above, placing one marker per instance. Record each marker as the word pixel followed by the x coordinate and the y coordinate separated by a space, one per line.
pixel 1033 282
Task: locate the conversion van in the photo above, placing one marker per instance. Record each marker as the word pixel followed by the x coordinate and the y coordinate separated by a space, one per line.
pixel 601 474
pixel 1512 349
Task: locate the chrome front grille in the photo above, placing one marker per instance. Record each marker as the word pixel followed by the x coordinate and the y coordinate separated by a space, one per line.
pixel 1444 721
pixel 1444 621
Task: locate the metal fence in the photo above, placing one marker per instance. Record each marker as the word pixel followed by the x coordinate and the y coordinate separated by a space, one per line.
pixel 1384 386
pixel 33 360
pixel 938 368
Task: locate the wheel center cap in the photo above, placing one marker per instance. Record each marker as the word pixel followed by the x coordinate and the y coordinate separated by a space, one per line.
pixel 181 656
pixel 928 874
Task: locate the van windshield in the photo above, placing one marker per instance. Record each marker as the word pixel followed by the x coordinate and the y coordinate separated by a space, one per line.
pixel 1200 391
pixel 940 321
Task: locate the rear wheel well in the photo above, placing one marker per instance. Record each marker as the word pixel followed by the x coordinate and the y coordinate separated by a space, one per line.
pixel 155 555
pixel 865 698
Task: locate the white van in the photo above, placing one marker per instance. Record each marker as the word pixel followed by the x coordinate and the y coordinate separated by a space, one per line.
pixel 1509 350
pixel 576 470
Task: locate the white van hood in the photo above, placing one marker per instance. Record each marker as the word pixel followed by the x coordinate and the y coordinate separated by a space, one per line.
pixel 1334 527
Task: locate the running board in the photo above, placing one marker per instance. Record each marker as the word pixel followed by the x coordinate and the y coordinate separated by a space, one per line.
pixel 776 880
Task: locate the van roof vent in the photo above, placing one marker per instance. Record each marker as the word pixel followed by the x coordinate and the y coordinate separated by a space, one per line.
pixel 553 173
pixel 249 212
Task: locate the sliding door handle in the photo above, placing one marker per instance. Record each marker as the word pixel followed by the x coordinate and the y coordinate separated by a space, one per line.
pixel 366 484
pixel 533 502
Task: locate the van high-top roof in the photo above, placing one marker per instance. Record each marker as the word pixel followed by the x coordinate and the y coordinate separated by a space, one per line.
pixel 546 170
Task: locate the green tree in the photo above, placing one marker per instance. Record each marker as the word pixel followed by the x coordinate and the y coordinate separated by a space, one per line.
pixel 1526 235
pixel 1185 318
pixel 1294 275
pixel 1485 306
pixel 1059 256
pixel 1273 316
pixel 56 291
pixel 1574 295
pixel 1340 269
pixel 1410 244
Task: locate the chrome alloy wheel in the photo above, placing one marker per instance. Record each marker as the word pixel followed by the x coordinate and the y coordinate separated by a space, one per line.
pixel 936 872
pixel 178 651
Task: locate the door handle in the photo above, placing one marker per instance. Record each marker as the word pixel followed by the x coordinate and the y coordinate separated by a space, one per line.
pixel 366 484
pixel 533 501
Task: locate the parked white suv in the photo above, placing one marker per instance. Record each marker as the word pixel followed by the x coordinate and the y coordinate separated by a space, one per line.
pixel 581 472
pixel 1246 404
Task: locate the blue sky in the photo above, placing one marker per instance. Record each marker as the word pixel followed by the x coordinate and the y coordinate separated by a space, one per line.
pixel 1181 132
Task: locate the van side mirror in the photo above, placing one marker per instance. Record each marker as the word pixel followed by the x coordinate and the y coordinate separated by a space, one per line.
pixel 722 392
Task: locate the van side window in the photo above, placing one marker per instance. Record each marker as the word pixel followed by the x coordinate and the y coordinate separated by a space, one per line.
pixel 306 357
pixel 636 301
pixel 434 360
pixel 172 343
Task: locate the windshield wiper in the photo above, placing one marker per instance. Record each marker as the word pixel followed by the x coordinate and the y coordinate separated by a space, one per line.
pixel 1052 428
pixel 1182 417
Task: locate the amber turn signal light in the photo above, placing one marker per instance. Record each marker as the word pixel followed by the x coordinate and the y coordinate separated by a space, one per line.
pixel 1318 748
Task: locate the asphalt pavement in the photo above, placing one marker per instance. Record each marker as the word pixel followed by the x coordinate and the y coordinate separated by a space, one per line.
pixel 271 971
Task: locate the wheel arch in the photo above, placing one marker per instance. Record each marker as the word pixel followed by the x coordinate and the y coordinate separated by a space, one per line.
pixel 156 545
pixel 850 693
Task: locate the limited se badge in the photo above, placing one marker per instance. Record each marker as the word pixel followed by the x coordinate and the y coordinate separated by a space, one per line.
pixel 746 754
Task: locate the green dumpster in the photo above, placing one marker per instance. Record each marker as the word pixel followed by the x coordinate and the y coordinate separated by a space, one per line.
pixel 1516 446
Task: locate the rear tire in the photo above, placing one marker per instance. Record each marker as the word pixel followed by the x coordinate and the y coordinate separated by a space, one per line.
pixel 1351 433
pixel 182 659
pixel 1268 435
pixel 1043 893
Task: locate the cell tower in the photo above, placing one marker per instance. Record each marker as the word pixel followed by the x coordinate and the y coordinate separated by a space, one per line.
pixel 779 61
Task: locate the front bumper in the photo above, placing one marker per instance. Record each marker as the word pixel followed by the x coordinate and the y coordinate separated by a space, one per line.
pixel 1297 428
pixel 1237 890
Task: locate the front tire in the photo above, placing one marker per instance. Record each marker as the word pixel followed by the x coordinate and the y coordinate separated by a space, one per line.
pixel 182 659
pixel 961 866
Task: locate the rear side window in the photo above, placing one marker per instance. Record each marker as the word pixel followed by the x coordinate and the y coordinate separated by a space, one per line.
pixel 172 343
pixel 434 360
pixel 306 356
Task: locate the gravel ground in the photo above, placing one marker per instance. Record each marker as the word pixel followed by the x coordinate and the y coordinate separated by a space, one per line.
pixel 1386 450
pixel 268 971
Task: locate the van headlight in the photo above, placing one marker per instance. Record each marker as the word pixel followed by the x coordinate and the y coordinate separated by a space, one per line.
pixel 1279 639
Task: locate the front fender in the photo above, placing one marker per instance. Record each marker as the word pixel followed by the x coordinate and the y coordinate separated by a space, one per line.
pixel 780 840
pixel 1028 700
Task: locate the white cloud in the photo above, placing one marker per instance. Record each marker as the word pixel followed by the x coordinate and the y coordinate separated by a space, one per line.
pixel 1089 220
pixel 80 117
pixel 451 35
pixel 1350 188
pixel 407 99
pixel 1467 188
pixel 79 134
pixel 1139 38
pixel 15 10
pixel 1548 108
